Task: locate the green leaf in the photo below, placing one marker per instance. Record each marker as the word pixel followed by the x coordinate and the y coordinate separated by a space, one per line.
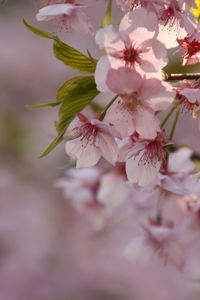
pixel 196 11
pixel 79 95
pixel 73 58
pixel 44 105
pixel 108 15
pixel 76 94
pixel 41 33
pixel 96 107
pixel 53 145
pixel 63 90
pixel 67 54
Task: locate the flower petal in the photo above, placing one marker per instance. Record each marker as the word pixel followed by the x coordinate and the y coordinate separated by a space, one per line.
pixel 121 119
pixel 147 124
pixel 123 80
pixel 109 37
pixel 108 147
pixel 87 154
pixel 193 95
pixel 51 11
pixel 139 172
pixel 139 18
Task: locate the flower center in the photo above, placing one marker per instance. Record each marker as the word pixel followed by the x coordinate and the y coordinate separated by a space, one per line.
pixel 130 56
pixel 88 133
pixel 187 106
pixel 129 102
pixel 153 153
pixel 168 15
pixel 133 3
pixel 192 47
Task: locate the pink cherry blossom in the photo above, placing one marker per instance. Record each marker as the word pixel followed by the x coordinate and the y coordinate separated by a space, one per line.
pixel 180 161
pixel 80 186
pixel 191 203
pixel 92 140
pixel 174 23
pixel 132 45
pixel 145 159
pixel 172 181
pixel 189 97
pixel 112 189
pixel 191 45
pixel 162 239
pixel 177 179
pixel 173 16
pixel 139 98
pixel 67 14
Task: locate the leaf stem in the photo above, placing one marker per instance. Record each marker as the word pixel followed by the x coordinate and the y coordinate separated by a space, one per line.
pixel 107 107
pixel 174 125
pixel 96 107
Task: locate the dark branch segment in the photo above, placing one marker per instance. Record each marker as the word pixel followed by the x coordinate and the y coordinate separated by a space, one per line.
pixel 173 77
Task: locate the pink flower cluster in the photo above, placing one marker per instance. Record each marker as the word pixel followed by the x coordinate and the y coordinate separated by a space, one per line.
pixel 129 131
pixel 167 210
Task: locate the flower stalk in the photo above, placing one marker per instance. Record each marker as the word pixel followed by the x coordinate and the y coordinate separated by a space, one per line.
pixel 174 124
pixel 102 116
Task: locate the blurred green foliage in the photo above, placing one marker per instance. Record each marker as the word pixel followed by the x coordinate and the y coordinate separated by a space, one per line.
pixel 14 135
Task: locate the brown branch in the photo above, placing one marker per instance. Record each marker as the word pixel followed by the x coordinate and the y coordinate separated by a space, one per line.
pixel 173 77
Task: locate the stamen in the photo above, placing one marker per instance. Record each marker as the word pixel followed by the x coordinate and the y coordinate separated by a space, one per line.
pixel 130 55
pixel 131 3
pixel 168 15
pixel 186 105
pixel 154 152
pixel 88 133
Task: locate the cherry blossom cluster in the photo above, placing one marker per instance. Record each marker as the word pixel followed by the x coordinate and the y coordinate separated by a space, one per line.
pixel 141 168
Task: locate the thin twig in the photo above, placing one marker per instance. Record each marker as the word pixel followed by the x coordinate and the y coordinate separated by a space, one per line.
pixel 107 107
pixel 174 77
pixel 167 116
pixel 174 125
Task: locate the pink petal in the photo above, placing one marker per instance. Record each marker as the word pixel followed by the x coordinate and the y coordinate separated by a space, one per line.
pixel 81 23
pixel 141 173
pixel 138 35
pixel 139 18
pixel 147 124
pixel 123 81
pixel 122 119
pixel 51 11
pixel 193 95
pixel 155 52
pixel 87 154
pixel 169 37
pixel 108 147
pixel 105 127
pixel 102 68
pixel 147 66
pixel 112 190
pixel 157 94
pixel 109 37
pixel 180 161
